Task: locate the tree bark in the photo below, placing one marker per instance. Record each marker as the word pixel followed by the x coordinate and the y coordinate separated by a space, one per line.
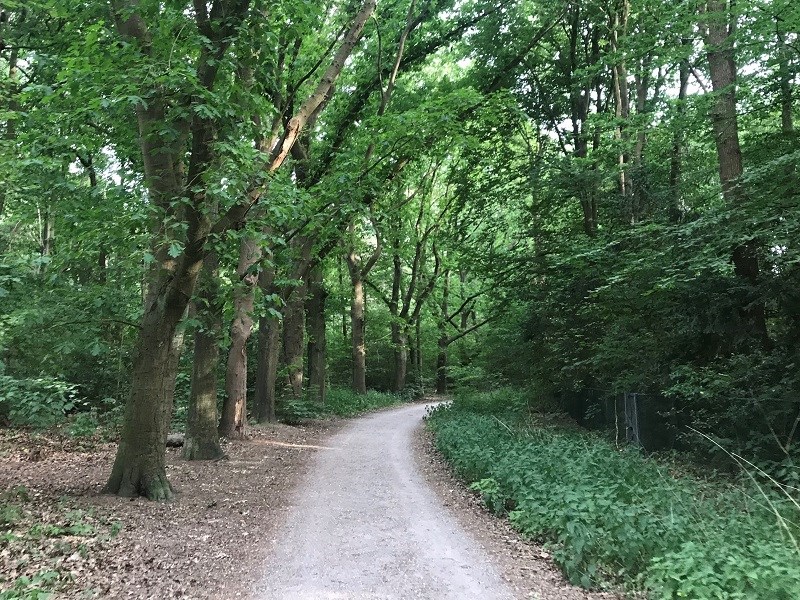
pixel 722 67
pixel 785 75
pixel 317 341
pixel 269 329
pixel 233 423
pixel 357 328
pixel 678 206
pixel 622 100
pixel 293 333
pixel 139 465
pixel 202 440
pixel 358 273
pixel 442 342
pixel 400 346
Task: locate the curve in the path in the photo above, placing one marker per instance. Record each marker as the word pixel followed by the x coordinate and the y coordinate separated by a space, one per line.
pixel 365 526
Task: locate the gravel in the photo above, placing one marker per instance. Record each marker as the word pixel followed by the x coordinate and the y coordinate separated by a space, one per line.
pixel 366 524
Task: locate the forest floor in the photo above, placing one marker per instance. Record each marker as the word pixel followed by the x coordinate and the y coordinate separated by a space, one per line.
pixel 253 525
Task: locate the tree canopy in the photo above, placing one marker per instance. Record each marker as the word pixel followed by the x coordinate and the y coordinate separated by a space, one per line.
pixel 584 198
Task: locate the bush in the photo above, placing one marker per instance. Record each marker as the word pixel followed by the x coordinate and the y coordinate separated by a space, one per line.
pixel 346 403
pixel 617 517
pixel 38 403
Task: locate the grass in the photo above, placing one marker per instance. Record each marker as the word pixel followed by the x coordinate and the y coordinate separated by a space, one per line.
pixel 617 518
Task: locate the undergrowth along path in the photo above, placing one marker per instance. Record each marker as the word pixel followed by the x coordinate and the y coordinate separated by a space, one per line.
pixel 366 526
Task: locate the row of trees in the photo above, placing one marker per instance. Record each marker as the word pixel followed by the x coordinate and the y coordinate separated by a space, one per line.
pixel 598 192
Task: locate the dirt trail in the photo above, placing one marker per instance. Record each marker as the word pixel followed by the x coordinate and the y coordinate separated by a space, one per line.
pixel 366 526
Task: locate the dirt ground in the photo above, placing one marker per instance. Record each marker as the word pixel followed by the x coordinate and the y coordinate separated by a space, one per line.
pixel 213 540
pixel 207 543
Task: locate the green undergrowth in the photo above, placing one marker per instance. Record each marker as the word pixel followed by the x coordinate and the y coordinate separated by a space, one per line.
pixel 614 517
pixel 339 402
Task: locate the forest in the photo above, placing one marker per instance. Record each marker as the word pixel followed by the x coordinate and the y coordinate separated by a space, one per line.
pixel 225 213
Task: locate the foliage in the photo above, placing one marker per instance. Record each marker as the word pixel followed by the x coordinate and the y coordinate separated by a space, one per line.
pixel 38 403
pixel 613 516
pixel 346 403
pixel 339 402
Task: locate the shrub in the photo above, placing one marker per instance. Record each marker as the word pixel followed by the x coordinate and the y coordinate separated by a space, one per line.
pixel 38 403
pixel 346 403
pixel 615 516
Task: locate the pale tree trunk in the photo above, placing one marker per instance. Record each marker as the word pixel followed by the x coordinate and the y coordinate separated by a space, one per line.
pixel 317 342
pixel 202 440
pixel 233 423
pixel 46 235
pixel 722 67
pixel 622 100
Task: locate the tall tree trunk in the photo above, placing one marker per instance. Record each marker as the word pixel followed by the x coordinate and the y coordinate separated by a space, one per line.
pixel 317 341
pixel 139 465
pixel 234 411
pixel 400 352
pixel 358 272
pixel 202 440
pixel 677 205
pixel 357 327
pixel 294 315
pixel 443 342
pixel 722 67
pixel 785 75
pixel 622 101
pixel 293 334
pixel 345 316
pixel 398 343
pixel 269 330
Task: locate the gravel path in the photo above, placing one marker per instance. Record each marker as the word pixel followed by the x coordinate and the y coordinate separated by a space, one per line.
pixel 366 526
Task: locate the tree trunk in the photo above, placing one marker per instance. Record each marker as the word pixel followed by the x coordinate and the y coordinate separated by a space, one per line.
pixel 678 206
pixel 234 411
pixel 345 332
pixel 317 341
pixel 622 102
pixel 443 342
pixel 786 76
pixel 441 365
pixel 269 328
pixel 357 327
pixel 293 337
pixel 269 336
pixel 202 440
pixel 400 363
pixel 722 67
pixel 139 465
